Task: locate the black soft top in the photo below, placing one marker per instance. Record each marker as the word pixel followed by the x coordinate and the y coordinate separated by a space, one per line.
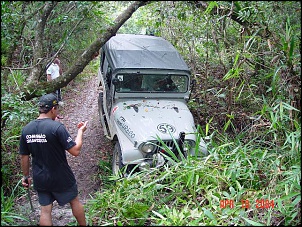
pixel 129 51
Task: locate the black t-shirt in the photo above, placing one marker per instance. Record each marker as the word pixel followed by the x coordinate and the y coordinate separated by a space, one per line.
pixel 47 141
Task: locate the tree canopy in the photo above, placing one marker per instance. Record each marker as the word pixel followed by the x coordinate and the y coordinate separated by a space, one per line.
pixel 54 24
pixel 33 32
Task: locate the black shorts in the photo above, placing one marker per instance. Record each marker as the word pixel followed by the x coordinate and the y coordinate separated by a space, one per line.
pixel 46 198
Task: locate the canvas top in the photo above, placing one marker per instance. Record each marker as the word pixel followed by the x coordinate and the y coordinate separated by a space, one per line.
pixel 129 51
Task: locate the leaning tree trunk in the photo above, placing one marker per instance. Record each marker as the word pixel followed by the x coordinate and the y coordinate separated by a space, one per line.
pixel 34 89
pixel 38 46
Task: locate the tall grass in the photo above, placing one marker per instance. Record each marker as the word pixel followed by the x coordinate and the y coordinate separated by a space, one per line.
pixel 260 182
pixel 8 216
pixel 15 113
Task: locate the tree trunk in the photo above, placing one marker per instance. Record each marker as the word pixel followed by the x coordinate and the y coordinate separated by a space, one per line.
pixel 38 47
pixel 35 89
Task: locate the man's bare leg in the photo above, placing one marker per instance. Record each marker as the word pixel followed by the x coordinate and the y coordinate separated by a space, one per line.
pixel 78 211
pixel 45 217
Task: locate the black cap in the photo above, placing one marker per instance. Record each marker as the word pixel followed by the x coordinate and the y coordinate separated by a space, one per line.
pixel 48 101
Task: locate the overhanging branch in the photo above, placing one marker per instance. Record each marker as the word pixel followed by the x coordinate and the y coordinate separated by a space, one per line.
pixel 33 89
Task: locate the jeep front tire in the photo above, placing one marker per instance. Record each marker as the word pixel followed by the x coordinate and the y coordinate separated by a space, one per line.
pixel 117 164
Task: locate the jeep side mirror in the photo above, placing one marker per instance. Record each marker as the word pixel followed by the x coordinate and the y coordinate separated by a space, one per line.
pixel 115 81
pixel 193 83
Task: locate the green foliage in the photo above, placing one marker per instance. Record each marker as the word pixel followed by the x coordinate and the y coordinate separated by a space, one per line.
pixel 248 87
pixel 14 82
pixel 70 28
pixel 105 167
pixel 8 216
pixel 14 109
pixel 288 42
pixel 15 113
pixel 9 27
pixel 261 180
pixel 190 192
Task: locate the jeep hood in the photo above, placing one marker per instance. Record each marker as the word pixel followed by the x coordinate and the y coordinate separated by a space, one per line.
pixel 142 120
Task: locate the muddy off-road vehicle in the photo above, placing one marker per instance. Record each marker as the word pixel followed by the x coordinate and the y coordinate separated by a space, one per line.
pixel 143 104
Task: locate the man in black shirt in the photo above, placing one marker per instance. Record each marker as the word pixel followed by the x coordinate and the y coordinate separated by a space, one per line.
pixel 47 141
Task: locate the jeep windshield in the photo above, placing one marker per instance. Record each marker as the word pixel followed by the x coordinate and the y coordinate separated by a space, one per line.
pixel 131 83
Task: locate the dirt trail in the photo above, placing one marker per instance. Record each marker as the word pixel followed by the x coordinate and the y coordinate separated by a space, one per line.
pixel 80 104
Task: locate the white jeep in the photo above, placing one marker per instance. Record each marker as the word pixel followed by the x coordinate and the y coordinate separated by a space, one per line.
pixel 143 104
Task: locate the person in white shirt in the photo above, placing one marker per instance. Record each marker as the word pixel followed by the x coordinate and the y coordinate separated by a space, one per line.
pixel 52 72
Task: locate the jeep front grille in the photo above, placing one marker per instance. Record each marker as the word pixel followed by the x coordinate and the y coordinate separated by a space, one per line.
pixel 159 147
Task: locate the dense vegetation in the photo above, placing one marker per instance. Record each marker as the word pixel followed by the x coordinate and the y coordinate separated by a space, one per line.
pixel 245 57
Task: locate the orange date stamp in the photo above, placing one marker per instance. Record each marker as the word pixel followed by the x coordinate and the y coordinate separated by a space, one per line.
pixel 245 203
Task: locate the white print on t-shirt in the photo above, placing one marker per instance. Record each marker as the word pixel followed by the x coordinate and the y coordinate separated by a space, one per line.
pixel 36 138
pixel 69 139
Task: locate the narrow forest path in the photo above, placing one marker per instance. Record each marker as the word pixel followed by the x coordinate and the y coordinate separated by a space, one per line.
pixel 80 104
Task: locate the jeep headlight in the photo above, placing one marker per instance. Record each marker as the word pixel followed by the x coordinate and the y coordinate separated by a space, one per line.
pixel 188 144
pixel 147 147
